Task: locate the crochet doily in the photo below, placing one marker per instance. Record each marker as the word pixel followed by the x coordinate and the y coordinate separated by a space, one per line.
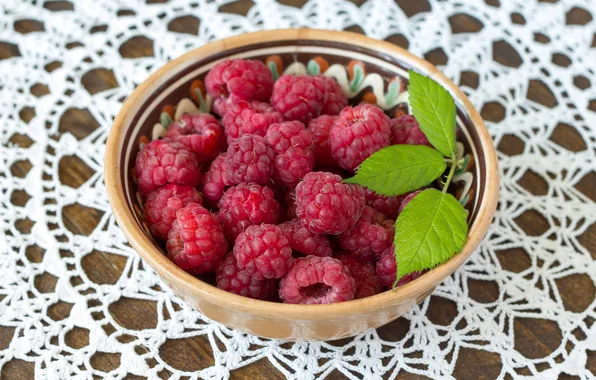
pixel 551 53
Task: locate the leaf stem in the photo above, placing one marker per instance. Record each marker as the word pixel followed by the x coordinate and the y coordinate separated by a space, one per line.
pixel 450 175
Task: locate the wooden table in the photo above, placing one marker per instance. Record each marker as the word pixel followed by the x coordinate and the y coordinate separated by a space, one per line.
pixel 533 338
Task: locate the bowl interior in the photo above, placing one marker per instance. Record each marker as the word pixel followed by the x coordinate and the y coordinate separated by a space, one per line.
pixel 365 73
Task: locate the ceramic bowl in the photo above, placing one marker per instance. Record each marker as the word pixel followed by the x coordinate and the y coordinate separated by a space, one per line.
pixel 369 70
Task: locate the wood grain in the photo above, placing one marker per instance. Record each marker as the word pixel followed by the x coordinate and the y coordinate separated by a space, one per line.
pixel 195 353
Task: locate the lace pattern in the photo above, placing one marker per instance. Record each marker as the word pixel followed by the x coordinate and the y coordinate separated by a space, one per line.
pixel 46 78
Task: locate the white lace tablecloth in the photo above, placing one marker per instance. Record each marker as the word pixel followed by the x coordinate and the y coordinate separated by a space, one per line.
pixel 544 32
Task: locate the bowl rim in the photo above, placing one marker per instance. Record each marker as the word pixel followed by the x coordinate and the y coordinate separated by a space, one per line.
pixel 185 282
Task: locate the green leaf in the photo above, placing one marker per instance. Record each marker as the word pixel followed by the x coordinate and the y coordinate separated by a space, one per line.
pixel 397 169
pixel 429 231
pixel 434 109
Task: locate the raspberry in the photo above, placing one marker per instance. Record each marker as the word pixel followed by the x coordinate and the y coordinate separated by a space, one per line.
pixel 298 97
pixel 357 133
pixel 244 205
pixel 263 251
pixel 161 162
pixel 215 180
pixel 250 159
pixel 304 241
pixel 406 130
pixel 406 199
pixel 325 205
pixel 223 103
pixel 317 280
pixel 234 280
pixel 387 269
pixel 365 275
pixel 201 134
pixel 293 148
pixel 370 236
pixel 246 79
pixel 319 128
pixel 249 118
pixel 387 205
pixel 196 241
pixel 161 205
pixel 336 100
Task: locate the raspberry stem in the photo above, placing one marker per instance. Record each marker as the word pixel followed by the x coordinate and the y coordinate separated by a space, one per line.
pixel 450 175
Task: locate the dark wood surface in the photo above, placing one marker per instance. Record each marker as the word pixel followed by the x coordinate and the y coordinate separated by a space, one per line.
pixel 533 338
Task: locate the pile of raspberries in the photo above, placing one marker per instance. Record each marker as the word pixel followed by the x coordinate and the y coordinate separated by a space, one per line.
pixel 257 197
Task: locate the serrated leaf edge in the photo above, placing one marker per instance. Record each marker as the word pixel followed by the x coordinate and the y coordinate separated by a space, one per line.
pixel 463 227
pixel 448 146
pixel 364 172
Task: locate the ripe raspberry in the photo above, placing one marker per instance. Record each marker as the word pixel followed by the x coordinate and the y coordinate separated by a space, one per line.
pixel 298 97
pixel 406 199
pixel 336 100
pixel 317 280
pixel 325 205
pixel 249 118
pixel 244 205
pixel 319 128
pixel 369 237
pixel 387 205
pixel 215 180
pixel 387 269
pixel 162 204
pixel 250 159
pixel 246 79
pixel 357 133
pixel 234 280
pixel 293 148
pixel 406 130
pixel 304 241
pixel 221 105
pixel 196 241
pixel 162 162
pixel 201 134
pixel 364 273
pixel 263 251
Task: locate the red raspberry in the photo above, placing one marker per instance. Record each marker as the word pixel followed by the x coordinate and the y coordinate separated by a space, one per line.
pixel 387 269
pixel 319 128
pixel 325 205
pixel 406 130
pixel 161 162
pixel 406 199
pixel 196 241
pixel 364 273
pixel 201 134
pixel 387 205
pixel 249 118
pixel 215 180
pixel 370 236
pixel 304 241
pixel 357 133
pixel 298 97
pixel 234 280
pixel 244 205
pixel 336 100
pixel 223 103
pixel 161 205
pixel 263 251
pixel 246 79
pixel 250 159
pixel 293 148
pixel 317 280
